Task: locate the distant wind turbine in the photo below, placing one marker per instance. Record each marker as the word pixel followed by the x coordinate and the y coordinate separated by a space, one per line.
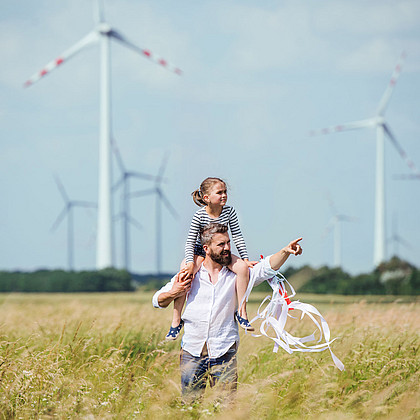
pixel 127 219
pixel 396 239
pixel 160 198
pixel 382 128
pixel 68 211
pixel 102 33
pixel 335 225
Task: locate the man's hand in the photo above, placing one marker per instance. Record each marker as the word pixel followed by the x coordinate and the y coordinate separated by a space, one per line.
pixel 278 259
pixel 179 288
pixel 294 247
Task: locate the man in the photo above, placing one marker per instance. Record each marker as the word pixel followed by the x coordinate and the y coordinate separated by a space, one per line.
pixel 211 338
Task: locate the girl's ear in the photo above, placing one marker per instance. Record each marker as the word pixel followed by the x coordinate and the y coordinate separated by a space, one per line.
pixel 206 198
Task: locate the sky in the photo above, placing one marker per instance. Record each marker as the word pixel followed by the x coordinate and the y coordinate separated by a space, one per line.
pixel 257 77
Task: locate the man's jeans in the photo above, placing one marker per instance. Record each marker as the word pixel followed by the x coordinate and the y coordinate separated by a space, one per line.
pixel 196 371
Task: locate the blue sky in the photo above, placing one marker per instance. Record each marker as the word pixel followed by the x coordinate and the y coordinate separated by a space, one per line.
pixel 258 76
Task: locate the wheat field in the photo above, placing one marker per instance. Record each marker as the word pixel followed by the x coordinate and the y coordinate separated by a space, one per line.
pixel 103 356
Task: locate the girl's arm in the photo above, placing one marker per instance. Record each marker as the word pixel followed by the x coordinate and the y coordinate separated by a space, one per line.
pixel 237 237
pixel 192 238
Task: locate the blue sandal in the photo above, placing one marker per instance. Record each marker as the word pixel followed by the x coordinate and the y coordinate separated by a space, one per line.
pixel 243 322
pixel 174 332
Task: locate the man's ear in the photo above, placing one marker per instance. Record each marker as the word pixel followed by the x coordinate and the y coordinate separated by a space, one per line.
pixel 205 247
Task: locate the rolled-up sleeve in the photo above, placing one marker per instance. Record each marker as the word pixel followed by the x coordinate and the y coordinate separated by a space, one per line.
pixel 166 288
pixel 261 271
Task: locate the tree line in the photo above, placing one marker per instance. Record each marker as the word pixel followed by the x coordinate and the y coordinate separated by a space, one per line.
pixel 395 277
pixel 60 281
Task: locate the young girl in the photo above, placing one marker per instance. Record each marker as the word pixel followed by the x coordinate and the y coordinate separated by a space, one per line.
pixel 212 197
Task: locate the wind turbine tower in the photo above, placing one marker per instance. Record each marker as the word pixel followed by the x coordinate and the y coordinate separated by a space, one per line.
pixel 160 198
pixel 335 224
pixel 68 211
pixel 102 33
pixel 127 219
pixel 382 128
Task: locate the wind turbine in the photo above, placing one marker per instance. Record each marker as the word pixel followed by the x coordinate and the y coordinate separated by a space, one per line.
pixel 382 128
pixel 396 239
pixel 160 198
pixel 124 183
pixel 335 225
pixel 68 211
pixel 102 33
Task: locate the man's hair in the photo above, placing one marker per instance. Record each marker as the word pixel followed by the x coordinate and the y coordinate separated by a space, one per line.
pixel 208 231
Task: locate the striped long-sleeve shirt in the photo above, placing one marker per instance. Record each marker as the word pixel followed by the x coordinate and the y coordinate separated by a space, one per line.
pixel 201 219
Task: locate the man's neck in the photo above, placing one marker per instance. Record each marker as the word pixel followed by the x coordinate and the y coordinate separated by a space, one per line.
pixel 213 268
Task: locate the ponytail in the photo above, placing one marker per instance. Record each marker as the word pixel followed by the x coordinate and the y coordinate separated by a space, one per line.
pixel 198 198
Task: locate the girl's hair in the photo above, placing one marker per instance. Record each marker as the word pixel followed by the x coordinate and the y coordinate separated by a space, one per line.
pixel 204 189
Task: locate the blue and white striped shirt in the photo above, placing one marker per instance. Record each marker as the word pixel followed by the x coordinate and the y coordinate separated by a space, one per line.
pixel 201 218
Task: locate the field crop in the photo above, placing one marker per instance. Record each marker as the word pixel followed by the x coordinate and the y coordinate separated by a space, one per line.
pixel 103 356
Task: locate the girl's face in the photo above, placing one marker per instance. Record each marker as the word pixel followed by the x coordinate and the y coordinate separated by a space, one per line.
pixel 217 194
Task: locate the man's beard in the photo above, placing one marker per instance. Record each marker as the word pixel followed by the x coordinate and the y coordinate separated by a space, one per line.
pixel 224 258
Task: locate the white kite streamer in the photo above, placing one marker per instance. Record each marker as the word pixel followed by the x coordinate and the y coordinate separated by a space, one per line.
pixel 275 315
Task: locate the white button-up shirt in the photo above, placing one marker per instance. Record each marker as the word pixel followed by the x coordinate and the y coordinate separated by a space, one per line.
pixel 210 308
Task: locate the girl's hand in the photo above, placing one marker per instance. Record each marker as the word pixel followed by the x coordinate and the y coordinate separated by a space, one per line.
pixel 251 263
pixel 186 272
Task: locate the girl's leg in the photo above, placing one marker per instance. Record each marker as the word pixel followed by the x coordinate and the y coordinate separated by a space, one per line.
pixel 178 305
pixel 240 268
pixel 179 301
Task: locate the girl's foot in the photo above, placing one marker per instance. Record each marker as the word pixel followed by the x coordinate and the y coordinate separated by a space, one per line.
pixel 243 322
pixel 174 332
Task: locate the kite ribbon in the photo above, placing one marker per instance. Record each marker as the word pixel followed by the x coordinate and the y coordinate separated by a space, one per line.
pixel 274 315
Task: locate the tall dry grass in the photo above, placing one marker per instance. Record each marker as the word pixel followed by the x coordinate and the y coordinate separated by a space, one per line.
pixel 104 356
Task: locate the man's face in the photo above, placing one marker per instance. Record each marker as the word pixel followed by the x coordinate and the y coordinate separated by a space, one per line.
pixel 219 249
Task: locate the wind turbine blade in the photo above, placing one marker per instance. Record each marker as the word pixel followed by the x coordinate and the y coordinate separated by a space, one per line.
pixel 88 39
pixel 142 193
pixel 98 11
pixel 163 166
pixel 328 228
pixel 59 219
pixel 145 53
pixel 84 204
pixel 401 151
pixel 391 85
pixel 331 204
pixel 402 241
pixel 409 176
pixel 135 223
pixel 344 218
pixel 141 175
pixel 168 205
pixel 117 154
pixel 60 187
pixel 118 184
pixel 371 122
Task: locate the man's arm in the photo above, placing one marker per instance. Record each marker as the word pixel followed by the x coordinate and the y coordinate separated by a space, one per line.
pixel 267 268
pixel 278 259
pixel 171 291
